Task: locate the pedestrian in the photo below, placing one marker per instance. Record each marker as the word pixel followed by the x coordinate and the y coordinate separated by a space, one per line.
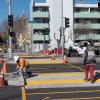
pixel 22 65
pixel 89 62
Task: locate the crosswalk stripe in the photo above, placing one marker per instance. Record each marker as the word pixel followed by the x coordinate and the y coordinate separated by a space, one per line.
pixel 47 62
pixel 50 82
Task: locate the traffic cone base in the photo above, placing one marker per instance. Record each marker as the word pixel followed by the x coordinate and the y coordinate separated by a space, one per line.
pixel 4 68
pixel 65 60
pixel 1 81
pixel 53 58
pixel 3 72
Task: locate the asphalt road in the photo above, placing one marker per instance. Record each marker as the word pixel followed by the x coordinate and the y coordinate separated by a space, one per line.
pixel 77 93
pixel 52 68
pixel 48 68
pixel 10 93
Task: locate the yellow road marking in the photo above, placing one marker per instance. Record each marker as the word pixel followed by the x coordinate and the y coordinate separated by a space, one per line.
pixel 23 94
pixel 90 98
pixel 47 62
pixel 46 98
pixel 69 92
pixel 50 82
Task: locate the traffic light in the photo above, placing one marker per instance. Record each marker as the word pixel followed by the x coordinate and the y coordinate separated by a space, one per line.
pixel 10 20
pixel 66 22
pixel 12 34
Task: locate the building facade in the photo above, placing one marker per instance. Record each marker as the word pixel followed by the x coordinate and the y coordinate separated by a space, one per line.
pixel 39 25
pixel 87 22
pixel 84 23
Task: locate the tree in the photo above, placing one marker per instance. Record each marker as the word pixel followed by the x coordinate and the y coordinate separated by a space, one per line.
pixel 19 27
pixel 4 27
pixel 21 30
pixel 58 40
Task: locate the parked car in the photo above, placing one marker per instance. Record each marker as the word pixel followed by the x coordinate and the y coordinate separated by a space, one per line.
pixel 76 49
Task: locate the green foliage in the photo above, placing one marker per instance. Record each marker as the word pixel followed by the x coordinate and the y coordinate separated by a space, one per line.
pixel 3 37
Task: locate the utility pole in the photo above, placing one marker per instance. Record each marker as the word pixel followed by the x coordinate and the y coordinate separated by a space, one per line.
pixel 62 29
pixel 31 28
pixel 10 30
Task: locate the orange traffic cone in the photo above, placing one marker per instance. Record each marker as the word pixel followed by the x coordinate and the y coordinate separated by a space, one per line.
pixel 52 57
pixel 3 72
pixel 2 82
pixel 4 69
pixel 65 59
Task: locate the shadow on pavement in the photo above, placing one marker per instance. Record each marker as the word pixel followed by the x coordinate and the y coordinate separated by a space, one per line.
pixel 97 76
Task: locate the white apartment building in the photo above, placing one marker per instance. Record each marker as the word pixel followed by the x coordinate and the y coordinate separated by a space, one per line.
pixel 87 22
pixel 39 22
pixel 84 23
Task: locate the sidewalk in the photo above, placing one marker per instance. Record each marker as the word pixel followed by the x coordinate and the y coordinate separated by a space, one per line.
pixel 55 80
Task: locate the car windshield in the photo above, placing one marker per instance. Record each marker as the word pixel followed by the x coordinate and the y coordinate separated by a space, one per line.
pixel 78 44
pixel 81 43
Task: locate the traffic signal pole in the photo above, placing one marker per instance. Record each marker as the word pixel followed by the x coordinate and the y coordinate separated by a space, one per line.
pixel 62 29
pixel 10 29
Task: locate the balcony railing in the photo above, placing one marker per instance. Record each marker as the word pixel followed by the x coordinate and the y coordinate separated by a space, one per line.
pixel 40 25
pixel 87 15
pixel 39 14
pixel 87 26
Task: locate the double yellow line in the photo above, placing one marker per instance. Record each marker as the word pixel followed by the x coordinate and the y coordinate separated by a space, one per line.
pixel 24 94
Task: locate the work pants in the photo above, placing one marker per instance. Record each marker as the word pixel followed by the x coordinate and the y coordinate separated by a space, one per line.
pixel 89 69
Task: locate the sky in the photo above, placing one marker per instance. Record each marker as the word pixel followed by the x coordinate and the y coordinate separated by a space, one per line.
pixel 18 6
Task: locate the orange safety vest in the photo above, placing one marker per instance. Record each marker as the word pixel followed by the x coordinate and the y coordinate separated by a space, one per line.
pixel 21 63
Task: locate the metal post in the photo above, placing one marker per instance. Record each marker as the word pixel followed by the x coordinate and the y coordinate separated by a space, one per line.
pixel 10 39
pixel 31 29
pixel 62 32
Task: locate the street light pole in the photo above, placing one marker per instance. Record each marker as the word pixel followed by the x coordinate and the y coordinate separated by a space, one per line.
pixel 10 38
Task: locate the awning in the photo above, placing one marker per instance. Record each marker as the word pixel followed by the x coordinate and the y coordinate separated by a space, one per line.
pixel 88 36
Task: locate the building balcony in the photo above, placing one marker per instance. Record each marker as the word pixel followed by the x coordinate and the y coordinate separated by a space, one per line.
pixel 39 14
pixel 40 25
pixel 87 26
pixel 87 15
pixel 88 36
pixel 37 37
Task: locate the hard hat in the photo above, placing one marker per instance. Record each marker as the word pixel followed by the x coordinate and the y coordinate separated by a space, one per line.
pixel 16 58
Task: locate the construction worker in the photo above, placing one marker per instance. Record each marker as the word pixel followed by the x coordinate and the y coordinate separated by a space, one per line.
pixel 22 65
pixel 89 62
